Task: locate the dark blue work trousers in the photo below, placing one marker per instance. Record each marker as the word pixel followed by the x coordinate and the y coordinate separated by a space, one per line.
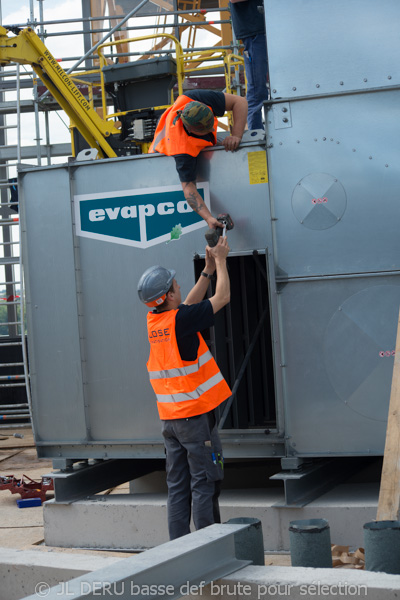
pixel 194 465
pixel 256 65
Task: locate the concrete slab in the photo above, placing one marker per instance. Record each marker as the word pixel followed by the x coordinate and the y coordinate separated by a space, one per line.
pixel 296 583
pixel 137 521
pixel 30 572
pixel 22 571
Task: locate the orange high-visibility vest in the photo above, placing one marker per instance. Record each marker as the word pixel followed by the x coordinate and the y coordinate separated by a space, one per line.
pixel 183 388
pixel 172 139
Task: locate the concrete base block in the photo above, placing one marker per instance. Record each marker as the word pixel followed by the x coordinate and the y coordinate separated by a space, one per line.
pixel 120 521
pixel 296 583
pixel 346 508
pixel 137 521
pixel 26 572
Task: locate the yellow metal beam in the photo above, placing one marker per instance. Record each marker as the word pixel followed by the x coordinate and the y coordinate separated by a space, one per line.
pixel 27 48
pixel 226 29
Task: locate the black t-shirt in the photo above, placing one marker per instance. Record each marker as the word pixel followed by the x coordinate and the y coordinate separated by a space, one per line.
pixel 186 165
pixel 189 320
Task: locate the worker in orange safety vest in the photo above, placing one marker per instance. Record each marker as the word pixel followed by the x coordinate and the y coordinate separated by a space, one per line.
pixel 188 386
pixel 190 125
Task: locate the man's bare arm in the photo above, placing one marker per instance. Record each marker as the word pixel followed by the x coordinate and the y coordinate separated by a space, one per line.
pixel 238 106
pixel 196 203
pixel 198 292
pixel 222 294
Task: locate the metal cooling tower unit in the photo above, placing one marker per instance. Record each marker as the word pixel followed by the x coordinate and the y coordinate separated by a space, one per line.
pixel 309 335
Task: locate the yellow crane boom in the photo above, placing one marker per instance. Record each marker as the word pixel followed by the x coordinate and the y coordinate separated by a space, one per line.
pixel 27 48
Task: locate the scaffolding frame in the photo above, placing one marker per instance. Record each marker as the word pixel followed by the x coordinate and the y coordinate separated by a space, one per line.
pixel 96 27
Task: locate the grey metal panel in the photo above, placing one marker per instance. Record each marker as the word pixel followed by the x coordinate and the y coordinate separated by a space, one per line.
pixel 339 338
pixel 121 401
pixel 320 46
pixel 334 184
pixel 120 404
pixel 54 352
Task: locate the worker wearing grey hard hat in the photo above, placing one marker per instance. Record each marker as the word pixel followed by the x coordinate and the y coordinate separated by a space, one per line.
pixel 188 386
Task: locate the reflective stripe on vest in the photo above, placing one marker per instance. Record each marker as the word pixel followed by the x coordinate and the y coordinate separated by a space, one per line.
pixel 203 359
pixel 172 139
pixel 195 395
pixel 158 136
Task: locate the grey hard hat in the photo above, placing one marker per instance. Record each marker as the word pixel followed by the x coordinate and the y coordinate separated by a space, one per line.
pixel 154 285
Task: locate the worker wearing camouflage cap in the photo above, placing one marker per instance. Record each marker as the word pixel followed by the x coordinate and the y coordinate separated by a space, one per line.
pixel 190 125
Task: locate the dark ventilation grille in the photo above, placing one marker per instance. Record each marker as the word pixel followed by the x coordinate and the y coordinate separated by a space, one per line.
pixel 241 342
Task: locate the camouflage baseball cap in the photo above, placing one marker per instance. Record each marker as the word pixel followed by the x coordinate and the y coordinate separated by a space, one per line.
pixel 198 117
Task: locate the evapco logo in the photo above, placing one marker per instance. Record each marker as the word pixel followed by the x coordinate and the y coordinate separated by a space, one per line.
pixel 140 218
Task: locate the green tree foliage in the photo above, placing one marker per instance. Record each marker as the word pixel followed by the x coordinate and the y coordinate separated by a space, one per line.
pixel 4 318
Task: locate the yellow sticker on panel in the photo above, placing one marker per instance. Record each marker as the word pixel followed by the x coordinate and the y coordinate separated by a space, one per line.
pixel 258 171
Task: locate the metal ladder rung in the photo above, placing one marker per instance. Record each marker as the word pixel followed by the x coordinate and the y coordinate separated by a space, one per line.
pixel 4 385
pixel 14 416
pixel 9 221
pixel 12 323
pixel 8 243
pixel 6 73
pixel 15 425
pixel 10 344
pixel 10 282
pixel 12 303
pixel 9 261
pixel 16 364
pixel 13 406
pixel 8 126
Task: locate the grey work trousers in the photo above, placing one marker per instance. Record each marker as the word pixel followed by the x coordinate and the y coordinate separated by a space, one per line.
pixel 194 472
